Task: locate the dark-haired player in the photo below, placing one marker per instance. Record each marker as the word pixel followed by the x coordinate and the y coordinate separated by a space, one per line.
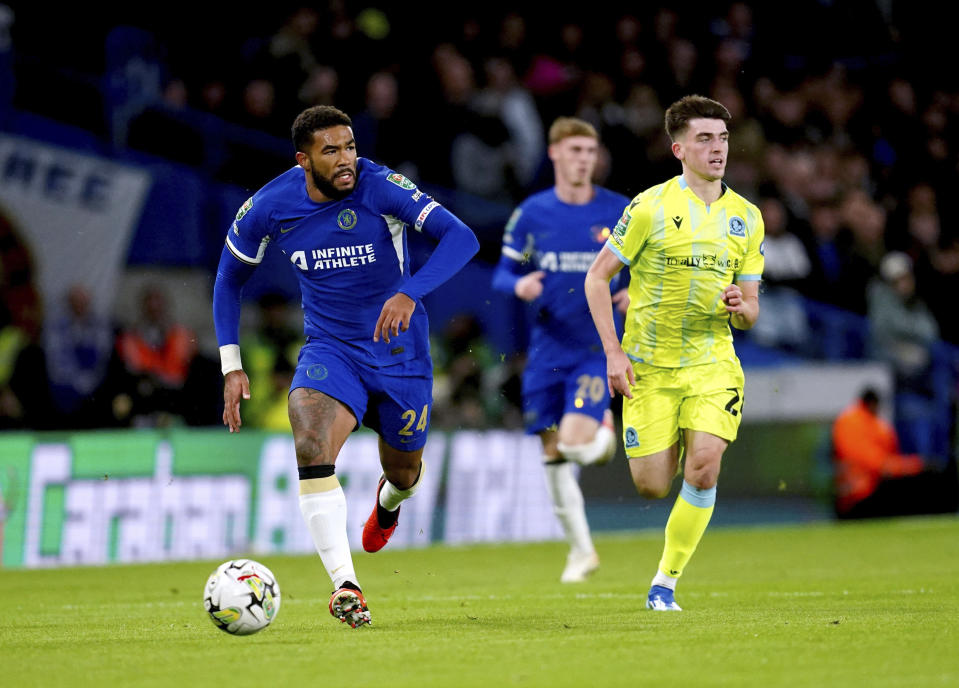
pixel 694 251
pixel 341 221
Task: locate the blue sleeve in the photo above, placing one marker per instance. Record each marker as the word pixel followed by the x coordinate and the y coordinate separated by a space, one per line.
pixel 456 245
pixel 514 261
pixel 456 242
pixel 231 274
pixel 250 232
pixel 507 274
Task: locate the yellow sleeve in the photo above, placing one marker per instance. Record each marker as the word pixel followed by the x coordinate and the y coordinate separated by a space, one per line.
pixel 754 260
pixel 631 232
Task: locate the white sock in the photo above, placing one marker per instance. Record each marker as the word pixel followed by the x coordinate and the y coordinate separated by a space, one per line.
pixel 601 446
pixel 325 516
pixel 666 581
pixel 391 496
pixel 568 505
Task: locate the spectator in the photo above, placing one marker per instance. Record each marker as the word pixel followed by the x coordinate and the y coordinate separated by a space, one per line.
pixel 825 223
pixel 785 278
pixel 872 478
pixel 746 133
pixel 24 390
pixel 274 415
pixel 505 98
pixel 259 110
pixel 24 386
pixel 447 113
pixel 291 47
pixel 320 87
pixel 12 342
pixel 513 41
pixel 269 355
pixel 80 348
pixel 156 353
pixel 381 128
pixel 481 159
pixel 863 246
pixel 787 262
pixel 461 361
pixel 623 56
pixel 941 287
pixel 903 329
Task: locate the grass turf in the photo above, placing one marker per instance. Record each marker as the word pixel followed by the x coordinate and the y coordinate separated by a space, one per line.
pixel 864 604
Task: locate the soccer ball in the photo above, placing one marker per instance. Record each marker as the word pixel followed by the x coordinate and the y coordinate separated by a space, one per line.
pixel 242 596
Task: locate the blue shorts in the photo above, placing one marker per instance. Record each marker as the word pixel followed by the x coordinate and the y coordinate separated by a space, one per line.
pixel 395 400
pixel 549 394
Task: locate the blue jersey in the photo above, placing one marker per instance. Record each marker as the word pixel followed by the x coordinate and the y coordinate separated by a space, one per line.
pixel 349 255
pixel 544 233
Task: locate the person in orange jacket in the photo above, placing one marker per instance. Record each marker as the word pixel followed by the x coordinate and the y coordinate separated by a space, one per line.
pixel 871 474
pixel 156 354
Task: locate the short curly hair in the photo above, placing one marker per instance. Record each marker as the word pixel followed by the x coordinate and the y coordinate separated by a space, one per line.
pixel 315 119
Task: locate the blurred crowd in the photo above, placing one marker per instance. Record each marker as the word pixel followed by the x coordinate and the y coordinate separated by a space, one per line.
pixel 844 132
pixel 78 369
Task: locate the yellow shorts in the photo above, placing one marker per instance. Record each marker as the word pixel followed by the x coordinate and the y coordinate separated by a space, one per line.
pixel 707 397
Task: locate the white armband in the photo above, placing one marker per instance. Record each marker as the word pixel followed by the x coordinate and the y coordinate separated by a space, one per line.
pixel 230 358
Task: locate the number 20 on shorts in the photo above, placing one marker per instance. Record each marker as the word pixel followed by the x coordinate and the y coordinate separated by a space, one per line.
pixel 590 387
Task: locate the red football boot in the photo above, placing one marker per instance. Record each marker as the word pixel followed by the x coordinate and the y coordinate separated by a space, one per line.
pixel 375 536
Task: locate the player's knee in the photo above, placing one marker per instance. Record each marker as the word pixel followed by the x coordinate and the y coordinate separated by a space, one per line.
pixel 572 452
pixel 702 477
pixel 403 471
pixel 651 489
pixel 310 450
pixel 402 478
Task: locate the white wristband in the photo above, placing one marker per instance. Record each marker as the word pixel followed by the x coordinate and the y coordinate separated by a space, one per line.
pixel 230 358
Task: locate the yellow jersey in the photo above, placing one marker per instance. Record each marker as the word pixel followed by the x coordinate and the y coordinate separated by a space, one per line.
pixel 681 254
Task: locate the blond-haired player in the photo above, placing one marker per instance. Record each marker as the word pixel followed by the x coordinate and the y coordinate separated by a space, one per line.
pixel 548 245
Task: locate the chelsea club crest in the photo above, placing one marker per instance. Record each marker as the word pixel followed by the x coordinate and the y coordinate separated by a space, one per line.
pixel 346 219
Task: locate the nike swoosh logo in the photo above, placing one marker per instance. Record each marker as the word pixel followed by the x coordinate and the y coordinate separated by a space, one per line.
pixel 284 230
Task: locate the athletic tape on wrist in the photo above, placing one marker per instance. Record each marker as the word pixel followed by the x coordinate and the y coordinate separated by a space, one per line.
pixel 230 358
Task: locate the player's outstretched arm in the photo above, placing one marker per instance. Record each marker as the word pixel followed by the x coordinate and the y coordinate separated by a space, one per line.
pixel 456 245
pixel 619 371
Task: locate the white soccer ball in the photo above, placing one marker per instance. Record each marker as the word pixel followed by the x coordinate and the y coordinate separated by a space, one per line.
pixel 242 596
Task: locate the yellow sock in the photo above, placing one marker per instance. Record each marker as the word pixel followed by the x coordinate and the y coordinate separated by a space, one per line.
pixel 685 527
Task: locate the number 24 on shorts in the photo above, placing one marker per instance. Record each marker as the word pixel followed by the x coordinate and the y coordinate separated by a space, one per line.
pixel 410 417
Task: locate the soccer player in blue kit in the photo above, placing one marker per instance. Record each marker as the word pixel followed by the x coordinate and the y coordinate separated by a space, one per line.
pixel 341 220
pixel 548 245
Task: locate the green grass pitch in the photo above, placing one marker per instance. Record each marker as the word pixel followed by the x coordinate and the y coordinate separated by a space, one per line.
pixel 865 604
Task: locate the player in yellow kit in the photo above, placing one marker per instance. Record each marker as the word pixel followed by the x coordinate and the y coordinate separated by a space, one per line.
pixel 694 248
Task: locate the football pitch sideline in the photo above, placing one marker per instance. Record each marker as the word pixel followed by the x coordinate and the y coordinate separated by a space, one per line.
pixel 852 604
